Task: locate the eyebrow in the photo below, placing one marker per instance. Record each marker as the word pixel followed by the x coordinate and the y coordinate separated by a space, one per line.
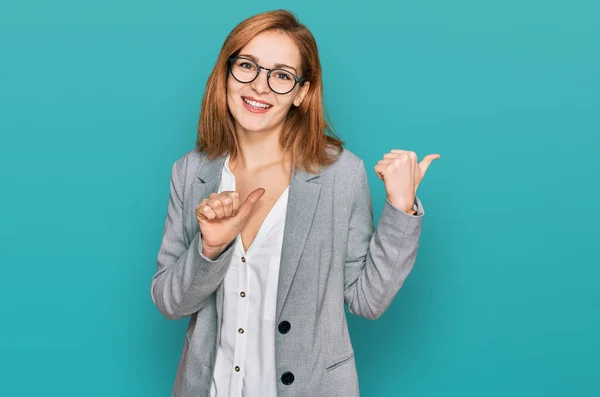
pixel 276 66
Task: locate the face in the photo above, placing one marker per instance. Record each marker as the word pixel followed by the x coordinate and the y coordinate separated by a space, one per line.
pixel 254 106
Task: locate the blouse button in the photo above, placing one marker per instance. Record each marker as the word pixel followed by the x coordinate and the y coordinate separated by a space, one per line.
pixel 242 294
pixel 243 259
pixel 237 369
pixel 241 330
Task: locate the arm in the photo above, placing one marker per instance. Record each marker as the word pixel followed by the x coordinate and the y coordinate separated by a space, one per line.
pixel 184 278
pixel 377 262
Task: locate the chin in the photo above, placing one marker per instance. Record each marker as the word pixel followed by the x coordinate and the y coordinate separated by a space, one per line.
pixel 254 123
pixel 252 126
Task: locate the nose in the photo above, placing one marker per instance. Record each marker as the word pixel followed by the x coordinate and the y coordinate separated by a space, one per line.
pixel 260 84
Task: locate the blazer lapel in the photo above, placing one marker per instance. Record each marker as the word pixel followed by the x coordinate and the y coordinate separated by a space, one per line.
pixel 208 181
pixel 302 204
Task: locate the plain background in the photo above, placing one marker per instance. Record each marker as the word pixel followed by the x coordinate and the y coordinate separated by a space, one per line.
pixel 98 99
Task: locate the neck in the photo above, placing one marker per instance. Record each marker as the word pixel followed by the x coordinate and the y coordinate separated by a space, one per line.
pixel 259 149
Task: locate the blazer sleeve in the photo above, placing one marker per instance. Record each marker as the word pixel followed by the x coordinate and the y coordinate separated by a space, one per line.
pixel 377 261
pixel 184 278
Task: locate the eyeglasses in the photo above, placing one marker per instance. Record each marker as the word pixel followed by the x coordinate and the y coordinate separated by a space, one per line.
pixel 280 81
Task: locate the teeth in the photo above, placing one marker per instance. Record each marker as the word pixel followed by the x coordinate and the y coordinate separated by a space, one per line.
pixel 255 104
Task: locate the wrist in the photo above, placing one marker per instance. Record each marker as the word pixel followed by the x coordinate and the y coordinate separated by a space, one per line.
pixel 404 207
pixel 212 253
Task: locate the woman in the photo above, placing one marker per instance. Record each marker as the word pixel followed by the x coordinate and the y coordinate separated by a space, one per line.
pixel 269 229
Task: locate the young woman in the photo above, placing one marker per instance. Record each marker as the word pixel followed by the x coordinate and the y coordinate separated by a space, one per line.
pixel 269 230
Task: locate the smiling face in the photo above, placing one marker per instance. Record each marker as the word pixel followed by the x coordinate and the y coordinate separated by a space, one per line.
pixel 254 106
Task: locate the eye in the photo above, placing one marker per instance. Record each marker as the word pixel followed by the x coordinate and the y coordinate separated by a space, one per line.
pixel 244 65
pixel 283 76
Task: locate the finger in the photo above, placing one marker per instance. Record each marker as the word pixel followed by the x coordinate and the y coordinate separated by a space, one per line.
pixel 202 203
pixel 426 162
pixel 400 155
pixel 252 198
pixel 217 207
pixel 235 201
pixel 199 207
pixel 409 153
pixel 398 151
pixel 207 213
pixel 394 155
pixel 401 161
pixel 227 205
pixel 380 171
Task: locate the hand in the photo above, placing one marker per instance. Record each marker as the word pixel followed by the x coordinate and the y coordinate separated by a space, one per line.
pixel 402 175
pixel 221 219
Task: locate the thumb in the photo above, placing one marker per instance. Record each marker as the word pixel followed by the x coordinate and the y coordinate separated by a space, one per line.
pixel 252 198
pixel 426 162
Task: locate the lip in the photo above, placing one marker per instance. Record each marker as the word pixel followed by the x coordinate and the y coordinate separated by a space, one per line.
pixel 254 110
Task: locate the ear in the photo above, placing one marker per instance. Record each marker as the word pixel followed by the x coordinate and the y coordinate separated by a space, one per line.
pixel 301 93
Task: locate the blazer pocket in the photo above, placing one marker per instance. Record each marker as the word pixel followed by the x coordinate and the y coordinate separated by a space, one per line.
pixel 270 304
pixel 341 362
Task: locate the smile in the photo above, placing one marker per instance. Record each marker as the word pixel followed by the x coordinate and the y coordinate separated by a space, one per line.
pixel 256 105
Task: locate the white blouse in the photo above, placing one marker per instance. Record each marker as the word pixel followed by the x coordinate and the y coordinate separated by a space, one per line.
pixel 245 357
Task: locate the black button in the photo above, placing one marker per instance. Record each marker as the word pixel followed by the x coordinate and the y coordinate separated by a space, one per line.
pixel 243 260
pixel 237 369
pixel 287 378
pixel 241 330
pixel 284 327
pixel 242 294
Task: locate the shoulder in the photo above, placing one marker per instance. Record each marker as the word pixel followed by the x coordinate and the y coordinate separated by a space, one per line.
pixel 344 180
pixel 346 165
pixel 349 159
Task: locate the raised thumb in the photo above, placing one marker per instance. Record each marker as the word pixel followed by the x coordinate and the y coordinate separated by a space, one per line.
pixel 252 198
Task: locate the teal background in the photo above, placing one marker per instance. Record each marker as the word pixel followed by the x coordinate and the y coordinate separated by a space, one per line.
pixel 98 99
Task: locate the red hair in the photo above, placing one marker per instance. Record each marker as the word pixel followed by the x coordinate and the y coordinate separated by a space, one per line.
pixel 306 132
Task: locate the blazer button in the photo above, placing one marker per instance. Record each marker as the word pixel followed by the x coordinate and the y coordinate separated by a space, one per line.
pixel 287 378
pixel 284 327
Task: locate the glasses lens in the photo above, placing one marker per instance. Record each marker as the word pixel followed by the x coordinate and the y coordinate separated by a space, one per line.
pixel 244 70
pixel 281 81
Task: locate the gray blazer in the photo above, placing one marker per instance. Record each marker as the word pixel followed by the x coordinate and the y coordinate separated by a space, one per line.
pixel 331 256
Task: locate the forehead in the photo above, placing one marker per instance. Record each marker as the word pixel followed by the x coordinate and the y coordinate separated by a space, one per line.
pixel 271 48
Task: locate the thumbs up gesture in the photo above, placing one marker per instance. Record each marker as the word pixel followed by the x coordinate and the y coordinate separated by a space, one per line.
pixel 221 219
pixel 401 175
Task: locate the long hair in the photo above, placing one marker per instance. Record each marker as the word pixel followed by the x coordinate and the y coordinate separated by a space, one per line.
pixel 306 132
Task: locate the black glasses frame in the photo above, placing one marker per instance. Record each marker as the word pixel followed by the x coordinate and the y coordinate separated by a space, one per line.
pixel 297 80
